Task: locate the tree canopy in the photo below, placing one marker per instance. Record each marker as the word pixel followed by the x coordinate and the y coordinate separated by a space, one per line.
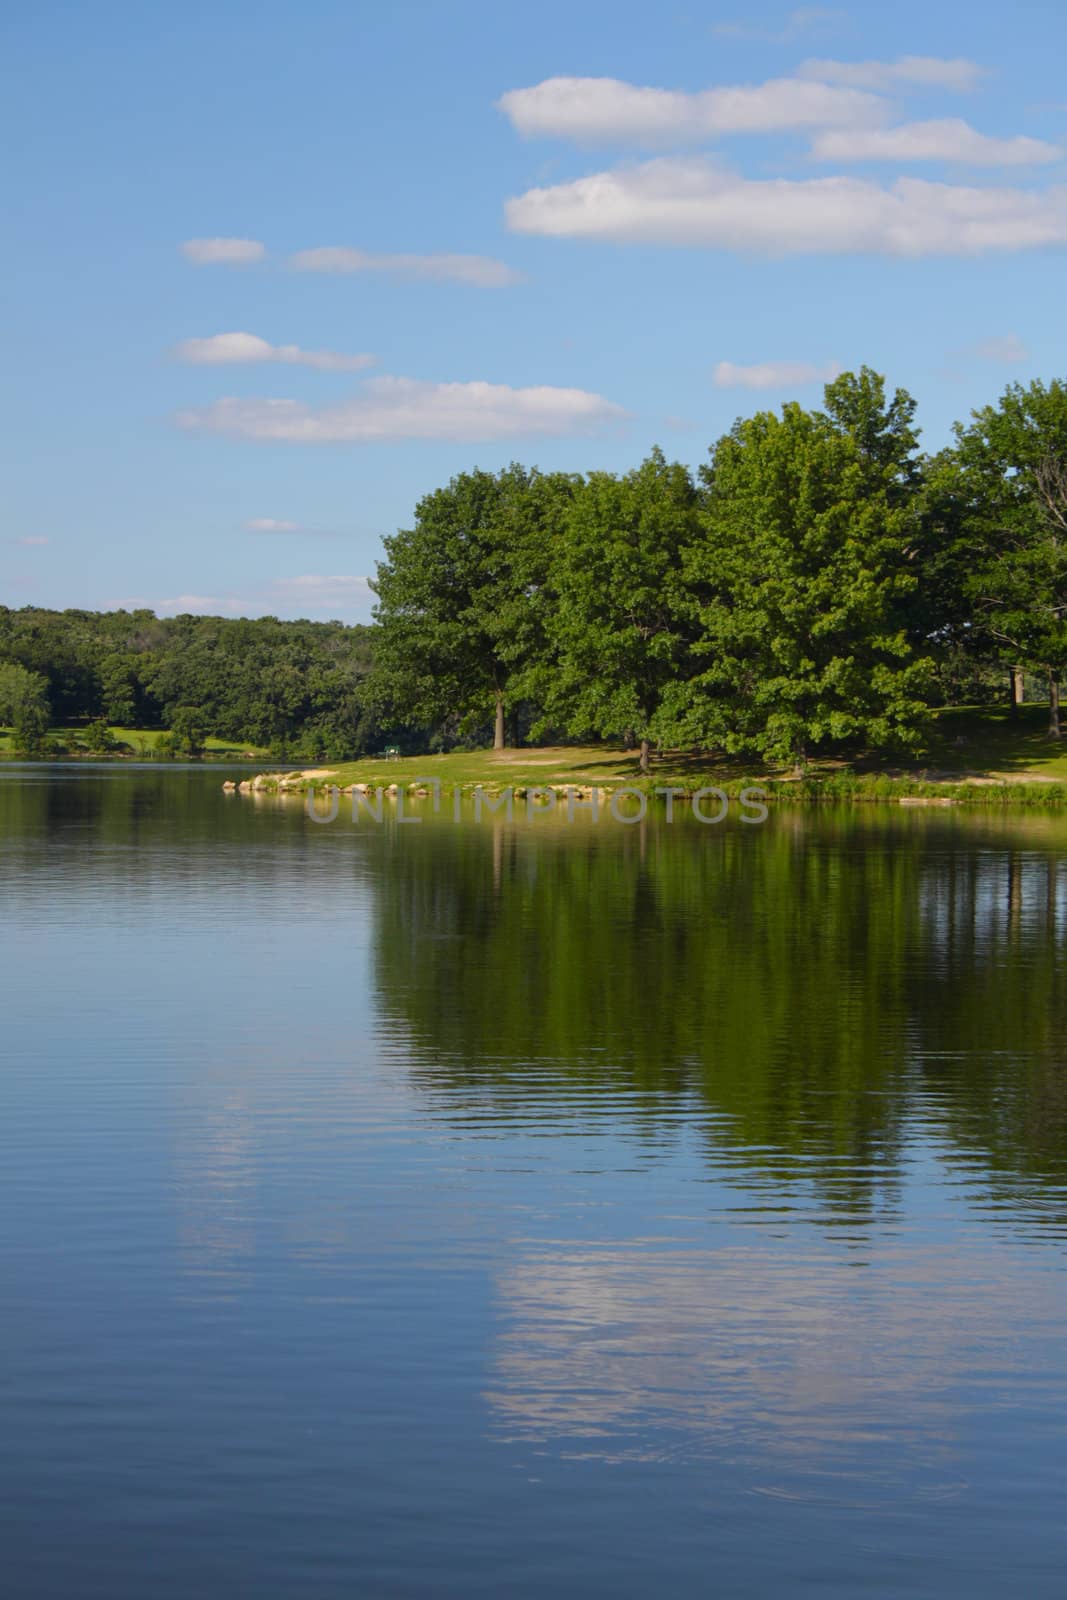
pixel 295 686
pixel 798 584
pixel 1010 471
pixel 815 587
pixel 461 597
pixel 617 624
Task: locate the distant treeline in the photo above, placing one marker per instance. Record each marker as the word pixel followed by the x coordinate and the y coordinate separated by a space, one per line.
pixel 818 585
pixel 295 687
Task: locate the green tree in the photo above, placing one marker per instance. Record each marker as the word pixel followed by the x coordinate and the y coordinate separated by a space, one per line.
pixel 461 598
pixel 619 622
pixel 882 430
pixel 118 688
pixel 800 584
pixel 189 729
pixel 98 737
pixel 24 706
pixel 1010 476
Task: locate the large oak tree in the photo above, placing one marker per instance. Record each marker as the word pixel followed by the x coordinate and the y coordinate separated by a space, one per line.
pixel 462 597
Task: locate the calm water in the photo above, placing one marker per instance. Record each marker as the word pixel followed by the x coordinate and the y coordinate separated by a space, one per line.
pixel 535 1210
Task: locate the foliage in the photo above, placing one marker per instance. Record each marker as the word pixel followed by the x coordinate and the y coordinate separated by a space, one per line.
pixel 811 594
pixel 1010 471
pixel 188 728
pixel 799 583
pixel 24 707
pixel 618 628
pixel 263 682
pixel 98 738
pixel 462 598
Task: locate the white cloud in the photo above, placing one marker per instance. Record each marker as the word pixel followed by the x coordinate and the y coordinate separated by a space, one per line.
pixel 281 525
pixel 190 603
pixel 243 349
pixel 347 597
pixel 697 203
pixel 223 252
pixel 772 374
pixel 606 110
pixel 805 20
pixel 32 541
pixel 410 408
pixel 1008 348
pixel 920 72
pixel 331 596
pixel 482 272
pixel 950 139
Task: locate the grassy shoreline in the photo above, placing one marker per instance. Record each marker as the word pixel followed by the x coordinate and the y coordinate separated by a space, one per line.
pixel 134 744
pixel 974 757
pixel 838 789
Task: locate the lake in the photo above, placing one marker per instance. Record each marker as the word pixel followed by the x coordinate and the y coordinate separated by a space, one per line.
pixel 536 1209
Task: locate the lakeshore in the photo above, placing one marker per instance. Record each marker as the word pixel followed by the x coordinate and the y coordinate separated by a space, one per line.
pixel 974 757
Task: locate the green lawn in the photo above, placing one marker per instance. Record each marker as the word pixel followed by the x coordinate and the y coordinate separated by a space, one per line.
pixel 967 743
pixel 146 739
pixel 980 743
pixel 140 741
pixel 580 765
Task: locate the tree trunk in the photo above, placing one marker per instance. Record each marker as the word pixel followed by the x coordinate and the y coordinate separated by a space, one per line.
pixel 1017 688
pixel 498 734
pixel 1054 730
pixel 644 755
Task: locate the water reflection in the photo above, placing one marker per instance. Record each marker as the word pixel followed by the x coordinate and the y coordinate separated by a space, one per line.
pixel 782 1359
pixel 388 1201
pixel 830 988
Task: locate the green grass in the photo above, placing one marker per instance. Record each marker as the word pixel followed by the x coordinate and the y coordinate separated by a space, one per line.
pixel 590 764
pixel 147 738
pixel 983 743
pixel 140 742
pixel 978 747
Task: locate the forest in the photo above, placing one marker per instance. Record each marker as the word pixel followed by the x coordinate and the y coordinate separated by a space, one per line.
pixel 819 584
pixel 284 686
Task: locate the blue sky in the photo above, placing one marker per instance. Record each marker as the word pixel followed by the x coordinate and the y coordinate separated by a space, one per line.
pixel 558 235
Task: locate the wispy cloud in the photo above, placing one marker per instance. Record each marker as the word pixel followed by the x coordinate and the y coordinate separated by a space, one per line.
pixel 607 110
pixel 247 349
pixel 223 252
pixel 347 597
pixel 807 19
pixel 334 596
pixel 950 139
pixel 772 374
pixel 204 604
pixel 695 202
pixel 281 525
pixel 410 408
pixel 481 272
pixel 1007 348
pixel 31 541
pixel 907 72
